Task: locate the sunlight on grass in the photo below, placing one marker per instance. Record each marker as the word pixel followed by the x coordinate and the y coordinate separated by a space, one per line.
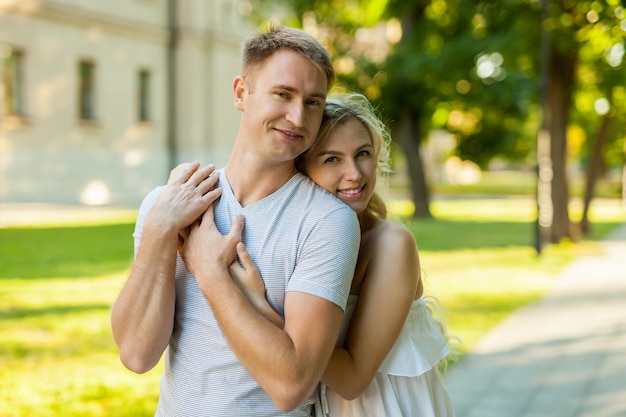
pixel 51 215
pixel 522 209
pixel 58 358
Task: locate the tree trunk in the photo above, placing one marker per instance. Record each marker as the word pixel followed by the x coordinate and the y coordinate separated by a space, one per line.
pixel 562 67
pixel 408 136
pixel 624 178
pixel 594 169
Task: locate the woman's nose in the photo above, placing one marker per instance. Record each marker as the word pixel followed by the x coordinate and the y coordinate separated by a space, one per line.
pixel 352 171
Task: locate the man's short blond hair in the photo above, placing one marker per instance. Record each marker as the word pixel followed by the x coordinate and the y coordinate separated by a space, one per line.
pixel 260 47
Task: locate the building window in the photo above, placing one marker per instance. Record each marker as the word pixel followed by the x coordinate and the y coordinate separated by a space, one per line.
pixel 86 90
pixel 143 96
pixel 12 64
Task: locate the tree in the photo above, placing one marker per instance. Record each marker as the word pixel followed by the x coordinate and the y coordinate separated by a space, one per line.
pixel 600 96
pixel 473 69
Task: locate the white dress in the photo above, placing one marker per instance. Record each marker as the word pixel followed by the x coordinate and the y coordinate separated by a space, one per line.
pixel 408 383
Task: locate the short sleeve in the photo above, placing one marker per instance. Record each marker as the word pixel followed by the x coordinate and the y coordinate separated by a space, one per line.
pixel 325 267
pixel 142 215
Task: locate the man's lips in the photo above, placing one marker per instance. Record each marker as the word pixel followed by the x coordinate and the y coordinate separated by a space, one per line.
pixel 290 133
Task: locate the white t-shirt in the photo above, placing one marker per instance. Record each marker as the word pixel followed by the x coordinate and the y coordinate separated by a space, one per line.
pixel 302 238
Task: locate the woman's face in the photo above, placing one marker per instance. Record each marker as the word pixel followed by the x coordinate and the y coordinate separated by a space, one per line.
pixel 345 164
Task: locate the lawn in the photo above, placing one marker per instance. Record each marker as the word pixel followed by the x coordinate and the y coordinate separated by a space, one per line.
pixel 58 281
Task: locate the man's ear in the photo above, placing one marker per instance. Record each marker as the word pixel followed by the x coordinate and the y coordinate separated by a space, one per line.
pixel 239 91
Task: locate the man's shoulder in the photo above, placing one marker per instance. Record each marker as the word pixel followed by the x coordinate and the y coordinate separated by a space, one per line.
pixel 318 204
pixel 150 198
pixel 318 195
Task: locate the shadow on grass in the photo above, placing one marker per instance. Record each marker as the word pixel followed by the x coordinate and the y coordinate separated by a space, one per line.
pixel 67 252
pixel 447 235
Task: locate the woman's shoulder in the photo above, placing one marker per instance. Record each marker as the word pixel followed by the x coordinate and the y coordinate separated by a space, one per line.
pixel 391 235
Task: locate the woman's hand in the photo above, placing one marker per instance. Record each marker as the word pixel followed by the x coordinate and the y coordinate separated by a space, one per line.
pixel 189 191
pixel 200 184
pixel 247 277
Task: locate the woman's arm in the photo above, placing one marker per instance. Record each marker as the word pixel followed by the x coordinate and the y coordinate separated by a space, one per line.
pixel 391 283
pixel 389 287
pixel 248 279
pixel 142 317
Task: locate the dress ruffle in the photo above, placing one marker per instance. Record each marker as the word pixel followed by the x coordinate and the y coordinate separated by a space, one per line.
pixel 407 382
pixel 419 347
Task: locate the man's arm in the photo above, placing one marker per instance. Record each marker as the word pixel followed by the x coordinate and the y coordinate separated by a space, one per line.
pixel 288 361
pixel 143 315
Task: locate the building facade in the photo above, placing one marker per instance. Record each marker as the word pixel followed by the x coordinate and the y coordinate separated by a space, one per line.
pixel 99 99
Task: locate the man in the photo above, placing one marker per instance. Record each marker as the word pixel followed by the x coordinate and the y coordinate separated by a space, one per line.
pixel 224 358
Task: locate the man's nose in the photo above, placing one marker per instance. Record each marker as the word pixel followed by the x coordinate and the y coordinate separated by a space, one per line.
pixel 295 115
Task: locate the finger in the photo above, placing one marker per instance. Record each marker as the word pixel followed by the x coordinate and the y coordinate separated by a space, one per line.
pixel 181 173
pixel 193 227
pixel 239 277
pixel 201 175
pixel 183 235
pixel 212 196
pixel 245 258
pixel 207 218
pixel 181 244
pixel 237 227
pixel 208 184
pixel 234 236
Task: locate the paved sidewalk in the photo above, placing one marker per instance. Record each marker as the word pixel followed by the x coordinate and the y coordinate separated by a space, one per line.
pixel 564 356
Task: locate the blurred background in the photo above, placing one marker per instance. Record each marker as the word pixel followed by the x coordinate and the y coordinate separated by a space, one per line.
pixel 101 99
pixel 508 120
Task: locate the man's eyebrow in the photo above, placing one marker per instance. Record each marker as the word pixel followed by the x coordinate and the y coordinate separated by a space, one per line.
pixel 319 95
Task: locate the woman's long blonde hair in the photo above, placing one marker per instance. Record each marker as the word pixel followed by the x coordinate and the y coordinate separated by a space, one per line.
pixel 339 108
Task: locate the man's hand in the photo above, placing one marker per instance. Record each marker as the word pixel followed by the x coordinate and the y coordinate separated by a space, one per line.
pixel 207 253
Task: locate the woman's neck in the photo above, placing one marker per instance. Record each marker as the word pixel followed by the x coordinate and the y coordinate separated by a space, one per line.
pixel 367 221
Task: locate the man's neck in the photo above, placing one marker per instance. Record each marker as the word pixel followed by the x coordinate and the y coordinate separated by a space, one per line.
pixel 252 182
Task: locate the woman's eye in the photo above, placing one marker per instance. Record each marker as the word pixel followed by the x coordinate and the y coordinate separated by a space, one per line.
pixel 363 154
pixel 330 159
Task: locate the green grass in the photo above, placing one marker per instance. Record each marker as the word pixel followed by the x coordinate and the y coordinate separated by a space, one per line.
pixel 57 283
pixel 57 355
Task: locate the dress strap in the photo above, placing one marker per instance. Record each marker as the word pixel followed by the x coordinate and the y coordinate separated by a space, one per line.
pixel 321 408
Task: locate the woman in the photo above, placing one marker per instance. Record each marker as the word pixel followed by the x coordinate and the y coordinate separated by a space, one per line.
pixel 385 362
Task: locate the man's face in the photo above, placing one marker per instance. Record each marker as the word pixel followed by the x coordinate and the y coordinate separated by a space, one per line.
pixel 282 101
